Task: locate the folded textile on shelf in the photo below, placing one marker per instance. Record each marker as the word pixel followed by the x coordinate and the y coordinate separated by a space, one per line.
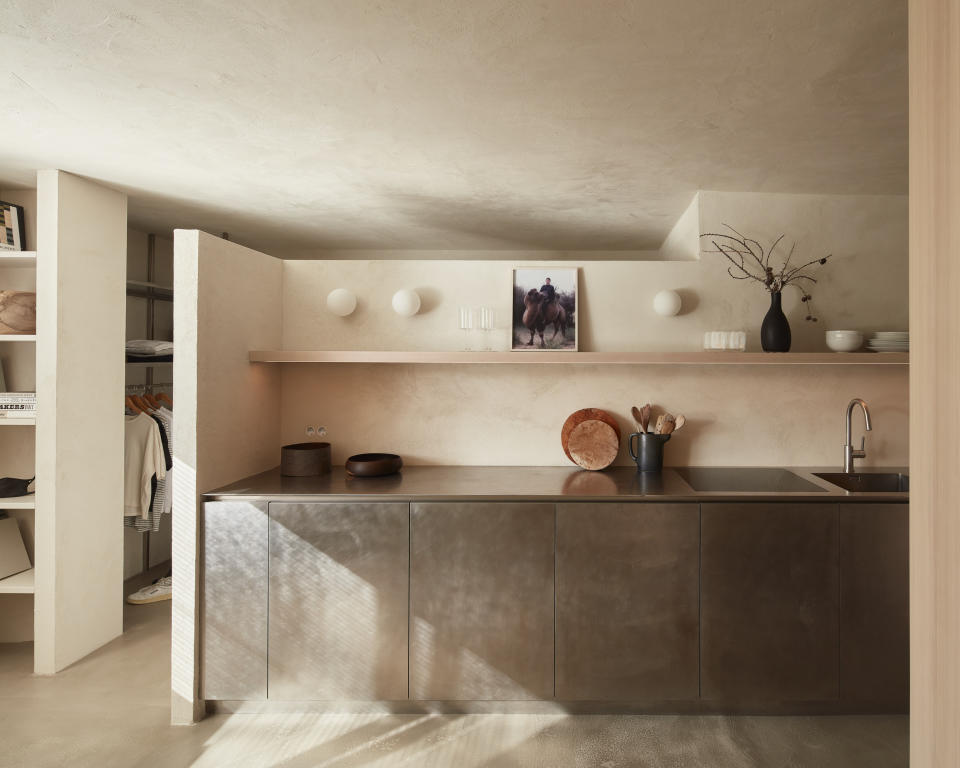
pixel 149 347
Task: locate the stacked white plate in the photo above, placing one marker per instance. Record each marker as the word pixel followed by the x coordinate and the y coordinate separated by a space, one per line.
pixel 889 341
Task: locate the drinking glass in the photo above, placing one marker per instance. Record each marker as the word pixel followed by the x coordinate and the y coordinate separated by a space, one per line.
pixel 487 324
pixel 466 325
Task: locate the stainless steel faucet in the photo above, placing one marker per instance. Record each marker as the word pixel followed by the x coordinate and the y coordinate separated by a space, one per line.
pixel 849 452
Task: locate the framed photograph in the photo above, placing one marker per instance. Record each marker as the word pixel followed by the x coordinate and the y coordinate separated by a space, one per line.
pixel 545 308
pixel 12 227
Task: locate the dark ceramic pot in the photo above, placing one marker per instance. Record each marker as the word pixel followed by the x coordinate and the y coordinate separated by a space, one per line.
pixel 775 330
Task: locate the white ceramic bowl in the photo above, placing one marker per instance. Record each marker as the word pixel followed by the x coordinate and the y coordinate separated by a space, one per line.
pixel 844 341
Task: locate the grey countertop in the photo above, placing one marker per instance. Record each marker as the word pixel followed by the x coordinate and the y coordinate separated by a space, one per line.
pixel 420 483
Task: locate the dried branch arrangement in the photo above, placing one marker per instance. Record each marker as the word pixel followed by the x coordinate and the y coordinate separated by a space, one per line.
pixel 749 261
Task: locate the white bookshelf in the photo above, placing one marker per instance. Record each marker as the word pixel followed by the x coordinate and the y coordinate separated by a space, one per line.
pixel 18 269
pixel 19 502
pixel 18 584
pixel 18 259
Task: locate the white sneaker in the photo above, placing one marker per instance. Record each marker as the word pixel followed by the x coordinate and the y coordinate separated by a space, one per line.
pixel 161 589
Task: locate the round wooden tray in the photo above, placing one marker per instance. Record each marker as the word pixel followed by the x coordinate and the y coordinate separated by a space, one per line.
pixel 578 417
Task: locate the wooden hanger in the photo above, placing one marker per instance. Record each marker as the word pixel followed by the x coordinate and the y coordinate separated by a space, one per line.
pixel 129 402
pixel 144 405
pixel 154 403
pixel 164 397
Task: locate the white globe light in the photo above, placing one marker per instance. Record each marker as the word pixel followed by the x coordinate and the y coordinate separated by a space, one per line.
pixel 341 302
pixel 667 303
pixel 406 302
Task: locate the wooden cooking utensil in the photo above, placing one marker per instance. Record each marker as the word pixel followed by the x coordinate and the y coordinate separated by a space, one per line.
pixel 669 425
pixel 645 417
pixel 681 420
pixel 593 444
pixel 659 425
pixel 638 418
pixel 578 417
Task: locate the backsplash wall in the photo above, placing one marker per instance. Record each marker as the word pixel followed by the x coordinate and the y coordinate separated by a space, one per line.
pixel 511 415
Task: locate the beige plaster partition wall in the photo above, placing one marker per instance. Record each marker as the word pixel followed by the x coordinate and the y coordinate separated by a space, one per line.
pixel 81 274
pixel 226 414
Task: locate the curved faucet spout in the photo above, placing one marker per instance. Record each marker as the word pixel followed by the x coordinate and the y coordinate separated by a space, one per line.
pixel 849 452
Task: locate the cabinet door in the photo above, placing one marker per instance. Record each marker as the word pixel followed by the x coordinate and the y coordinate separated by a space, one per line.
pixel 628 602
pixel 481 600
pixel 338 601
pixel 769 602
pixel 875 606
pixel 234 600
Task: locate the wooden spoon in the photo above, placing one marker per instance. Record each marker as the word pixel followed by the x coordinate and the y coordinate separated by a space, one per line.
pixel 645 417
pixel 681 420
pixel 669 425
pixel 638 418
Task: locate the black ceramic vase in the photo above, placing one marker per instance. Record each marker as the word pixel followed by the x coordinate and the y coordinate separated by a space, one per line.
pixel 775 330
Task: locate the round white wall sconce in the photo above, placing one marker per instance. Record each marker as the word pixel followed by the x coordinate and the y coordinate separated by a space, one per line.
pixel 667 303
pixel 341 302
pixel 406 302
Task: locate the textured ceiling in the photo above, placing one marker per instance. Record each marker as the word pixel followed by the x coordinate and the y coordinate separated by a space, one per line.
pixel 452 123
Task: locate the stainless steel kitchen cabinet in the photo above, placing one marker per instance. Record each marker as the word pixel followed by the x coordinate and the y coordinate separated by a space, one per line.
pixel 481 601
pixel 770 595
pixel 628 602
pixel 338 601
pixel 234 636
pixel 875 607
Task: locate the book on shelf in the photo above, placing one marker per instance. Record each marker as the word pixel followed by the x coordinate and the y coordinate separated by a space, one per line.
pixel 18 405
pixel 18 397
pixel 12 227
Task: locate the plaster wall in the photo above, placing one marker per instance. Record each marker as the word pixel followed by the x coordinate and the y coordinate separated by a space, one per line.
pixel 81 273
pixel 227 415
pixel 512 415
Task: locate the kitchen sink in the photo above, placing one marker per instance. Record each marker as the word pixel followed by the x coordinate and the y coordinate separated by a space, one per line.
pixel 866 482
pixel 745 480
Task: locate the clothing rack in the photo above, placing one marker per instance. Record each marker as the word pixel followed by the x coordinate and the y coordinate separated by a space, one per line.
pixel 153 293
pixel 135 389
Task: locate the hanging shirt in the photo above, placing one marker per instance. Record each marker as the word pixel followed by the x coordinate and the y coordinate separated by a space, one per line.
pixel 166 416
pixel 143 461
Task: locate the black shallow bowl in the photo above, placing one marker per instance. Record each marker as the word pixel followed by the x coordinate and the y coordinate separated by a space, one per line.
pixel 373 464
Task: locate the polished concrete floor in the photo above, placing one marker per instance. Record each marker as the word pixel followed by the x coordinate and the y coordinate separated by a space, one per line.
pixel 112 709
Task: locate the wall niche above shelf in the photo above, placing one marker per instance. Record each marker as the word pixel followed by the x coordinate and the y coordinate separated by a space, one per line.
pixel 579 358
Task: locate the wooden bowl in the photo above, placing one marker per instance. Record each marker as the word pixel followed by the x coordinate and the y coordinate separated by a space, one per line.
pixel 305 459
pixel 373 464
